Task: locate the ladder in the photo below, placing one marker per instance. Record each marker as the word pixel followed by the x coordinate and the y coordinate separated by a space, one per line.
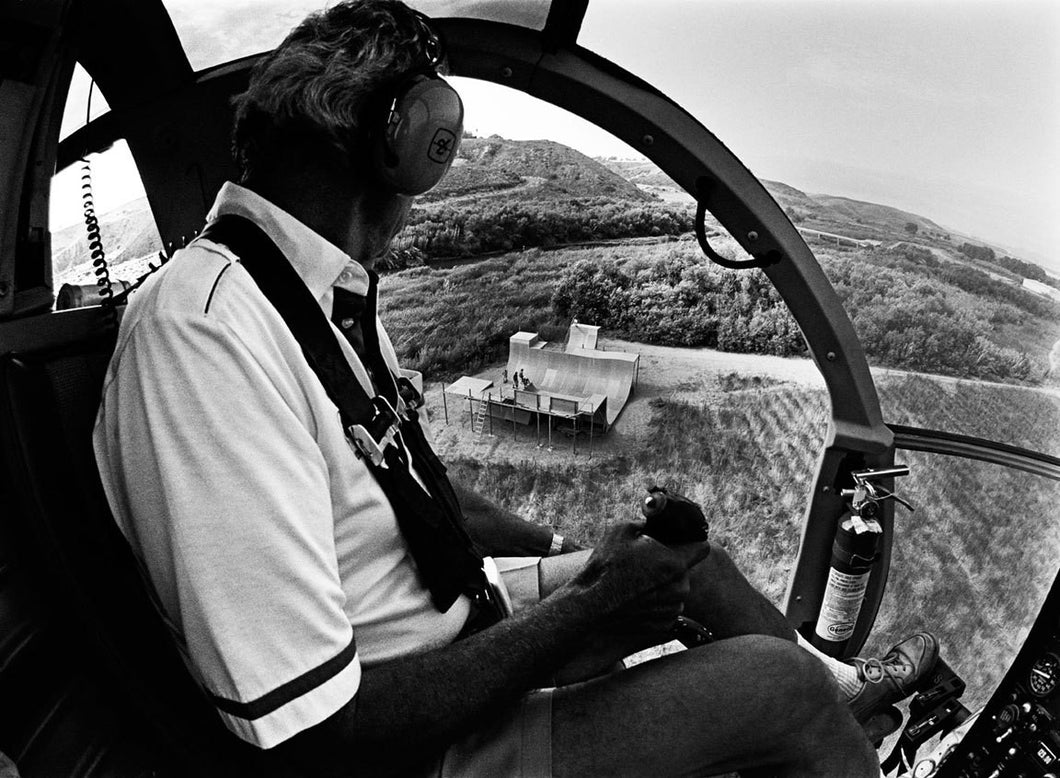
pixel 478 420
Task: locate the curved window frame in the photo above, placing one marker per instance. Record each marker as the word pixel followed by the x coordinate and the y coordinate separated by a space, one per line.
pixel 164 105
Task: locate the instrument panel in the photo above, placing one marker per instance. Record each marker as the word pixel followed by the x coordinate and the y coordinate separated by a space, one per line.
pixel 1018 732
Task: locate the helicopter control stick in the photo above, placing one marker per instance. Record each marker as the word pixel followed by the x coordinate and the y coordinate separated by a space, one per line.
pixel 672 519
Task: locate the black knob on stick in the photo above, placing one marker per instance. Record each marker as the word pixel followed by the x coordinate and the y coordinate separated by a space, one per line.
pixel 673 518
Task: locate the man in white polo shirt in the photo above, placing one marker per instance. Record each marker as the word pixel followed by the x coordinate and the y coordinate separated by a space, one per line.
pixel 295 575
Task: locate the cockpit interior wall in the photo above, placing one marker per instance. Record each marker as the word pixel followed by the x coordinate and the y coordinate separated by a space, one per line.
pixel 177 123
pixel 34 74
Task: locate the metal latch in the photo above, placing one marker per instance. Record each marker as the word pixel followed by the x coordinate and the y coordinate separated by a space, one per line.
pixel 371 441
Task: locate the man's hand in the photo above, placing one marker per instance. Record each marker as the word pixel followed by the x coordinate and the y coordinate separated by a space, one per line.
pixel 636 583
pixel 631 584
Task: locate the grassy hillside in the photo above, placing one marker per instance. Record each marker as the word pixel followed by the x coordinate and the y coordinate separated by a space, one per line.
pixel 909 312
pixel 749 461
pixel 504 194
pixel 972 563
pixel 827 213
pixel 128 233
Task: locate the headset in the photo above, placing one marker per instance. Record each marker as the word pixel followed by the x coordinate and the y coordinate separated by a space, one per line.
pixel 422 125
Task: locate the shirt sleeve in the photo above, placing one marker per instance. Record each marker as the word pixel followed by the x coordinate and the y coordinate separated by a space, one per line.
pixel 207 451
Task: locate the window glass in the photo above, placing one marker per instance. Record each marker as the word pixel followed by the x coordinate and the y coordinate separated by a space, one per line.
pixel 84 102
pixel 544 220
pixel 972 564
pixel 216 31
pixel 127 231
pixel 902 163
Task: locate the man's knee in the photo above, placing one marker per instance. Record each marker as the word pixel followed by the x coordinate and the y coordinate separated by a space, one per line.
pixel 805 712
pixel 795 677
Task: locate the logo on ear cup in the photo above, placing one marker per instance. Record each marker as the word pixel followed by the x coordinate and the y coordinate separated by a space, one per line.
pixel 442 145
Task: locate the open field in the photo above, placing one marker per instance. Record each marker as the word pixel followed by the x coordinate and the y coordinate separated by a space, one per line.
pixel 741 434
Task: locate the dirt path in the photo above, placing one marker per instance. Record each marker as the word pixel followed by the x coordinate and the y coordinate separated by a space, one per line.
pixel 528 182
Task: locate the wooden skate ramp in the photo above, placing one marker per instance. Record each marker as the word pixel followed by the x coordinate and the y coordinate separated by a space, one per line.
pixel 578 374
pixel 581 336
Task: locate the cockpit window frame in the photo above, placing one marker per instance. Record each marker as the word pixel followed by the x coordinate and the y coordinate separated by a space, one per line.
pixel 174 120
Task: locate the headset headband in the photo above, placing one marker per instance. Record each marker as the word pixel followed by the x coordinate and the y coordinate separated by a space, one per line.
pixel 432 44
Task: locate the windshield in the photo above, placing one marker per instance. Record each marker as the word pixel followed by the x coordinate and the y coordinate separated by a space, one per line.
pixel 895 137
pixel 922 178
pixel 216 31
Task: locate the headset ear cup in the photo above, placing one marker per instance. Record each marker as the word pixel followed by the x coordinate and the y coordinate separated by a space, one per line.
pixel 421 136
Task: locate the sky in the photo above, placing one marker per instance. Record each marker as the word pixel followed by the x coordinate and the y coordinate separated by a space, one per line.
pixel 949 109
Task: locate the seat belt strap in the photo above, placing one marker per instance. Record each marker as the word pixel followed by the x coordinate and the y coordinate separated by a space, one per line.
pixel 433 528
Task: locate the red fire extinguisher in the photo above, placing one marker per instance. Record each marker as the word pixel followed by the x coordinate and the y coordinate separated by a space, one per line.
pixel 854 553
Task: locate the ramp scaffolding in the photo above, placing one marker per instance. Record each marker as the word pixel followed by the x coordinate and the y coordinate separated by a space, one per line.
pixel 582 385
pixel 485 402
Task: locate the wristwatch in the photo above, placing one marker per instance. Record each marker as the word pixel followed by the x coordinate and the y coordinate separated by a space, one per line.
pixel 557 545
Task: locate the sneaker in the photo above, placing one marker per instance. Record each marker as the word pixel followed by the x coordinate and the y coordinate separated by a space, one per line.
pixel 894 676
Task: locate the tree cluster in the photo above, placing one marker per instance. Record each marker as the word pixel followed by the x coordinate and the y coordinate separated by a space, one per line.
pixel 903 319
pixel 679 301
pixel 492 224
pixel 973 251
pixel 915 258
pixel 1013 265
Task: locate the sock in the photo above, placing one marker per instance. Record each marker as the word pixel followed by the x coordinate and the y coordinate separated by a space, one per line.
pixel 846 676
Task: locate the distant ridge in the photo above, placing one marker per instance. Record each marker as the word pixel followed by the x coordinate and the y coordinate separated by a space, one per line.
pixel 496 169
pixel 128 232
pixel 827 213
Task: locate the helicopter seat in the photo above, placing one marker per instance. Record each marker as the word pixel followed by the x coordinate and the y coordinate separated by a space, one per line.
pixel 123 695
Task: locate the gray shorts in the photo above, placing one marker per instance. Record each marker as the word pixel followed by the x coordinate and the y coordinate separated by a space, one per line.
pixel 517 744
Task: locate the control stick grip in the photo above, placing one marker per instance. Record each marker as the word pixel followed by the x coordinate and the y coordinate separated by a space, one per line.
pixel 673 518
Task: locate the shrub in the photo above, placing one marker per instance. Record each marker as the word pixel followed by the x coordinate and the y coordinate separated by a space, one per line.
pixel 679 301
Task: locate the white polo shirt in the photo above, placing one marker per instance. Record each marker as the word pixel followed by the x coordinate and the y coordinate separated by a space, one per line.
pixel 269 543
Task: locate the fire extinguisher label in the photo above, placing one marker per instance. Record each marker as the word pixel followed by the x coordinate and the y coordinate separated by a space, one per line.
pixel 842 602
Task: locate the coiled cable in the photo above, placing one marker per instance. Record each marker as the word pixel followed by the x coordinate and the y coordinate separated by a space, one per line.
pixel 95 239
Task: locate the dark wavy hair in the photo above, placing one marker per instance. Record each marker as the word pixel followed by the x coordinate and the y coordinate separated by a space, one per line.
pixel 329 77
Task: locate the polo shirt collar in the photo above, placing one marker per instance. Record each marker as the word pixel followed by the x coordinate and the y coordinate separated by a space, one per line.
pixel 319 262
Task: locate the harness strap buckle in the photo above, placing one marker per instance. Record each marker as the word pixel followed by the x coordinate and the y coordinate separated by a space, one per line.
pixel 372 440
pixel 408 393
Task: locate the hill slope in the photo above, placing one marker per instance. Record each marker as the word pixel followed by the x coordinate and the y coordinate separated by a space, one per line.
pixel 540 192
pixel 538 169
pixel 127 233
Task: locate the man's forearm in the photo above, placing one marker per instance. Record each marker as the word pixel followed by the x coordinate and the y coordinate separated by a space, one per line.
pixel 416 705
pixel 499 532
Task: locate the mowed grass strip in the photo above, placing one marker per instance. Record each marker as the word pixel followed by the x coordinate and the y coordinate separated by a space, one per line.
pixel 972 563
